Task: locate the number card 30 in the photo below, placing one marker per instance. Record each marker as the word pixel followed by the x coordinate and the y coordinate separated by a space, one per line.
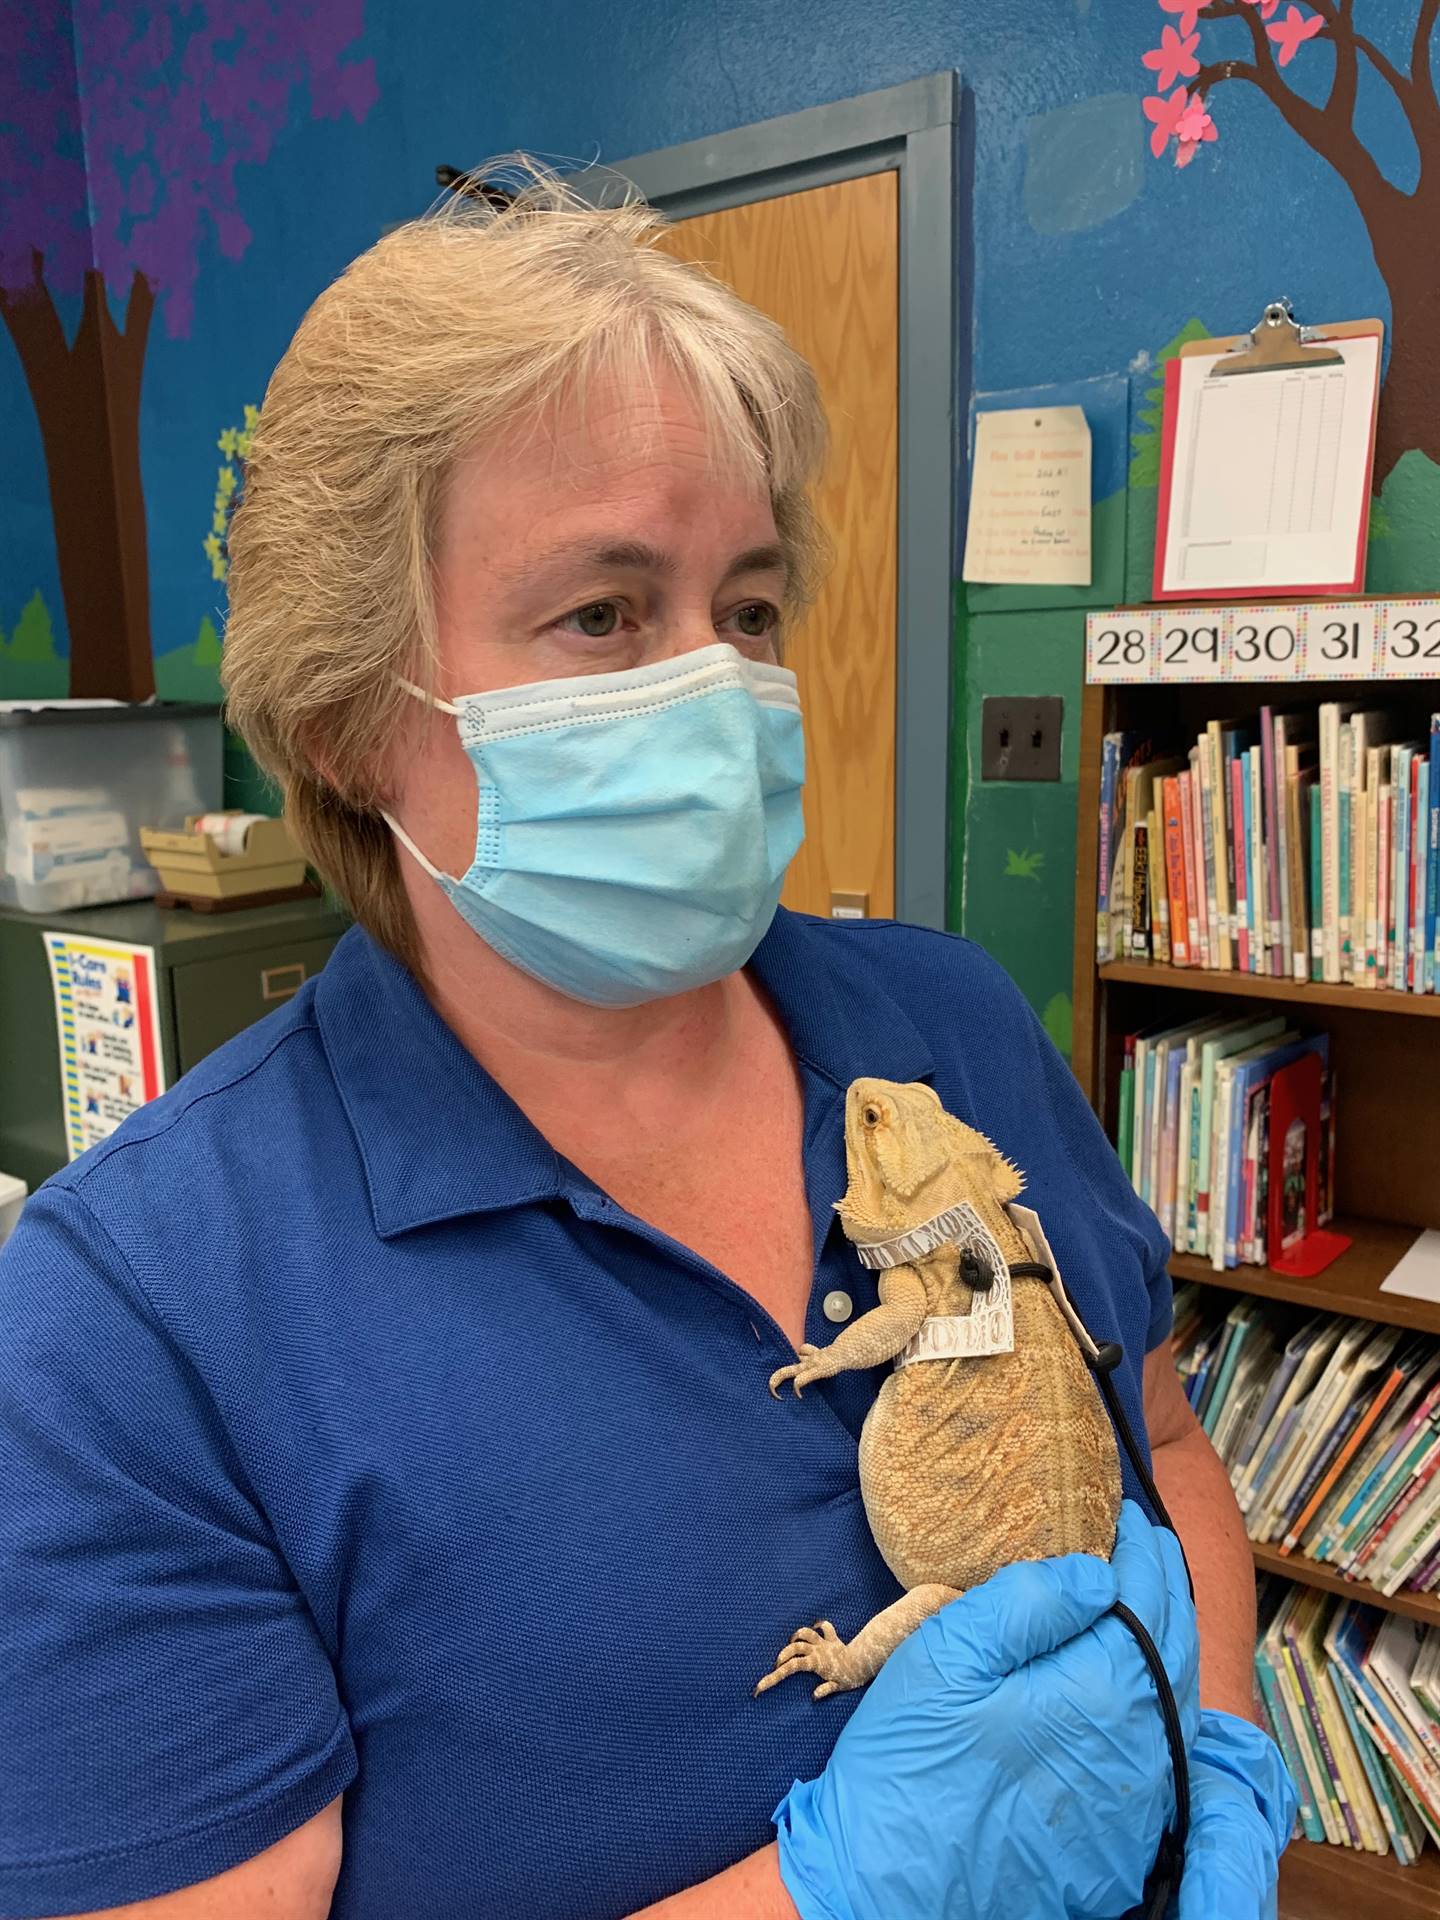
pixel 1265 643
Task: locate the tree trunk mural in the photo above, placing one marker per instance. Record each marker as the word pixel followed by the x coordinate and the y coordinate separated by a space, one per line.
pixel 1403 227
pixel 87 403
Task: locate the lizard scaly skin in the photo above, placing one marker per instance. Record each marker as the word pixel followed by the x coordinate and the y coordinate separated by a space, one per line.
pixel 965 1464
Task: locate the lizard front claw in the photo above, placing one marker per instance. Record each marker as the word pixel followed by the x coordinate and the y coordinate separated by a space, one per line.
pixel 820 1650
pixel 810 1366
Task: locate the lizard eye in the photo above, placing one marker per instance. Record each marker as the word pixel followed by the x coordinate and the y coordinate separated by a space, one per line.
pixel 871 1116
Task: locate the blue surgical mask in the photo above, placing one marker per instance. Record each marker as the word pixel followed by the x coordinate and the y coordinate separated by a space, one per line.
pixel 634 828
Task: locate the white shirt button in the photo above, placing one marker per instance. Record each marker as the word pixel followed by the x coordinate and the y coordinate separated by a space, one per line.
pixel 837 1306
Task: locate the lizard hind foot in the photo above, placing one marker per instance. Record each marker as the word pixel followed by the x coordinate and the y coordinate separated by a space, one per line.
pixel 818 1650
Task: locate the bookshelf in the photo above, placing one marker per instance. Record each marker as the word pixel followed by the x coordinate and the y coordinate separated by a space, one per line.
pixel 1385 1047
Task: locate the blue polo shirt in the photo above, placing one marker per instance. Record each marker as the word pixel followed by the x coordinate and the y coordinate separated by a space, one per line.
pixel 352 1440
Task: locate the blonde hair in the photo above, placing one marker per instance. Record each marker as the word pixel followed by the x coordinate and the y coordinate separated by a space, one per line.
pixel 452 329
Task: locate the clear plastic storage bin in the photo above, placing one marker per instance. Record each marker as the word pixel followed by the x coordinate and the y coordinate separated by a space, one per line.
pixel 77 783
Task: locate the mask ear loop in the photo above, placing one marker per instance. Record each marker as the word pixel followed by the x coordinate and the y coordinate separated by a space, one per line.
pixel 440 706
pixel 414 852
pixel 429 699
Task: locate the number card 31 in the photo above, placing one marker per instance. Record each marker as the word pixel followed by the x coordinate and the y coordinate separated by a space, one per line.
pixel 1342 642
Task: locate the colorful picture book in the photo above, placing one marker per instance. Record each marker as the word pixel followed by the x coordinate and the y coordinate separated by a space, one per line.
pixel 1298 844
pixel 1194 1131
pixel 1328 1427
pixel 1350 1695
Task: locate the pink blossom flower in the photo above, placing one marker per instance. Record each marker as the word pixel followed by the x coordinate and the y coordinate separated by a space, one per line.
pixel 1192 130
pixel 1195 123
pixel 1189 11
pixel 1291 33
pixel 1166 116
pixel 1173 58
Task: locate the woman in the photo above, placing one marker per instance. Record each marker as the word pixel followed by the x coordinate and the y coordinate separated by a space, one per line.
pixel 385 1408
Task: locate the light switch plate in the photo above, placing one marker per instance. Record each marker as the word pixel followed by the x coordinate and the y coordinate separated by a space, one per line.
pixel 1020 737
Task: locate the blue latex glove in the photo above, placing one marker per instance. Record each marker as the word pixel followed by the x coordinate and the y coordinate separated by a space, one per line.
pixel 1010 1757
pixel 1242 1808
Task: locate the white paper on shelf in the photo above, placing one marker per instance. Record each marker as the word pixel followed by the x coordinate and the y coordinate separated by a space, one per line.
pixel 1270 472
pixel 1418 1274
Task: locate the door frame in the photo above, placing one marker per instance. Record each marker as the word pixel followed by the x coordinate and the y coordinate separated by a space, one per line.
pixel 918 131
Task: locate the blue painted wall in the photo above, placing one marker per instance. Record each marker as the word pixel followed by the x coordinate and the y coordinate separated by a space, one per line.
pixel 1089 257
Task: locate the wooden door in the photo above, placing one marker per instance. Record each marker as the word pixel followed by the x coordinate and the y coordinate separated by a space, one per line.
pixel 825 264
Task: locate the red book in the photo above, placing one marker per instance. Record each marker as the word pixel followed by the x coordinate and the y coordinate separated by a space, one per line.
pixel 1175 873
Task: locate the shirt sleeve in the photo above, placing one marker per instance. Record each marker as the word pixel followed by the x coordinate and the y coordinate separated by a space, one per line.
pixel 167 1709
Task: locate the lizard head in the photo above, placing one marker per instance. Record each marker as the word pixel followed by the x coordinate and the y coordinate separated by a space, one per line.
pixel 907 1159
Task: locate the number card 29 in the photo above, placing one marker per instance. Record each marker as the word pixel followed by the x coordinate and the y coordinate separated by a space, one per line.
pixel 1190 643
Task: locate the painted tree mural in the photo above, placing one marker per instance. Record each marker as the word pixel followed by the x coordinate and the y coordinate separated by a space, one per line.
pixel 1403 226
pixel 122 130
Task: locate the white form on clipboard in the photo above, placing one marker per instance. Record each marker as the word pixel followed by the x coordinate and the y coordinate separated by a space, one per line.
pixel 1265 474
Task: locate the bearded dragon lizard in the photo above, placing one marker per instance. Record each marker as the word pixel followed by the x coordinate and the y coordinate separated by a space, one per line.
pixel 966 1463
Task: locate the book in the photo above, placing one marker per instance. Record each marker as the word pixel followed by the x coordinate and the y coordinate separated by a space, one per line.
pixel 1187 848
pixel 1419 843
pixel 1242 883
pixel 1327 914
pixel 1282 1731
pixel 1380 1378
pixel 1159 929
pixel 1432 891
pixel 1255 825
pixel 1179 915
pixel 1119 753
pixel 1218 783
pixel 1315 842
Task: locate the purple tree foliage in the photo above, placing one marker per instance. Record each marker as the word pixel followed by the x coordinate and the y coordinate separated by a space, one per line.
pixel 122 129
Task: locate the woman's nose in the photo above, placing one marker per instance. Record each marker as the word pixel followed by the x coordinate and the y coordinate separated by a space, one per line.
pixel 685 634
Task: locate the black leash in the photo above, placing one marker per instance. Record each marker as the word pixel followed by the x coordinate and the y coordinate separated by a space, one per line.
pixel 1164 1877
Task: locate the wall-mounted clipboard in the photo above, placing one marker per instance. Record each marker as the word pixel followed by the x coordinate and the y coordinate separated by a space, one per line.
pixel 1266 457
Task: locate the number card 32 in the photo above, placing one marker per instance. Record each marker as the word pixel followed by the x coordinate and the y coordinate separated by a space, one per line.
pixel 1412 640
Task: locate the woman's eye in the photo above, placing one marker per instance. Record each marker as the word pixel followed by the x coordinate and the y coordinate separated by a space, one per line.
pixel 756 619
pixel 599 620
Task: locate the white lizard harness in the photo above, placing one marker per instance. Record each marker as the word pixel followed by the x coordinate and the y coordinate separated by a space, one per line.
pixel 989 1326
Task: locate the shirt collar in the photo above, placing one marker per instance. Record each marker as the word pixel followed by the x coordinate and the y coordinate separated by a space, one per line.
pixel 439 1139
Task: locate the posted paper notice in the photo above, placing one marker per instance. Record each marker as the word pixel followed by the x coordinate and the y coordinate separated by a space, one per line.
pixel 107 1018
pixel 1030 498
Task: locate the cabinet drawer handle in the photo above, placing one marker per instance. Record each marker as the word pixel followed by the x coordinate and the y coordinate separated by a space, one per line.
pixel 279 983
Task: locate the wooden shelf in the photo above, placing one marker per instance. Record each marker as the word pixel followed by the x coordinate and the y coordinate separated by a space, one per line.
pixel 1261 986
pixel 1388 1134
pixel 1326 1883
pixel 1350 1284
pixel 1424 1607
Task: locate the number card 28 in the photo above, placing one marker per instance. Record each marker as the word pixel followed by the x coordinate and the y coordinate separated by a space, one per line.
pixel 1118 646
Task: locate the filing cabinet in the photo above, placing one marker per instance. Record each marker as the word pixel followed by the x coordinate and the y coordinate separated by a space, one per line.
pixel 215 975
